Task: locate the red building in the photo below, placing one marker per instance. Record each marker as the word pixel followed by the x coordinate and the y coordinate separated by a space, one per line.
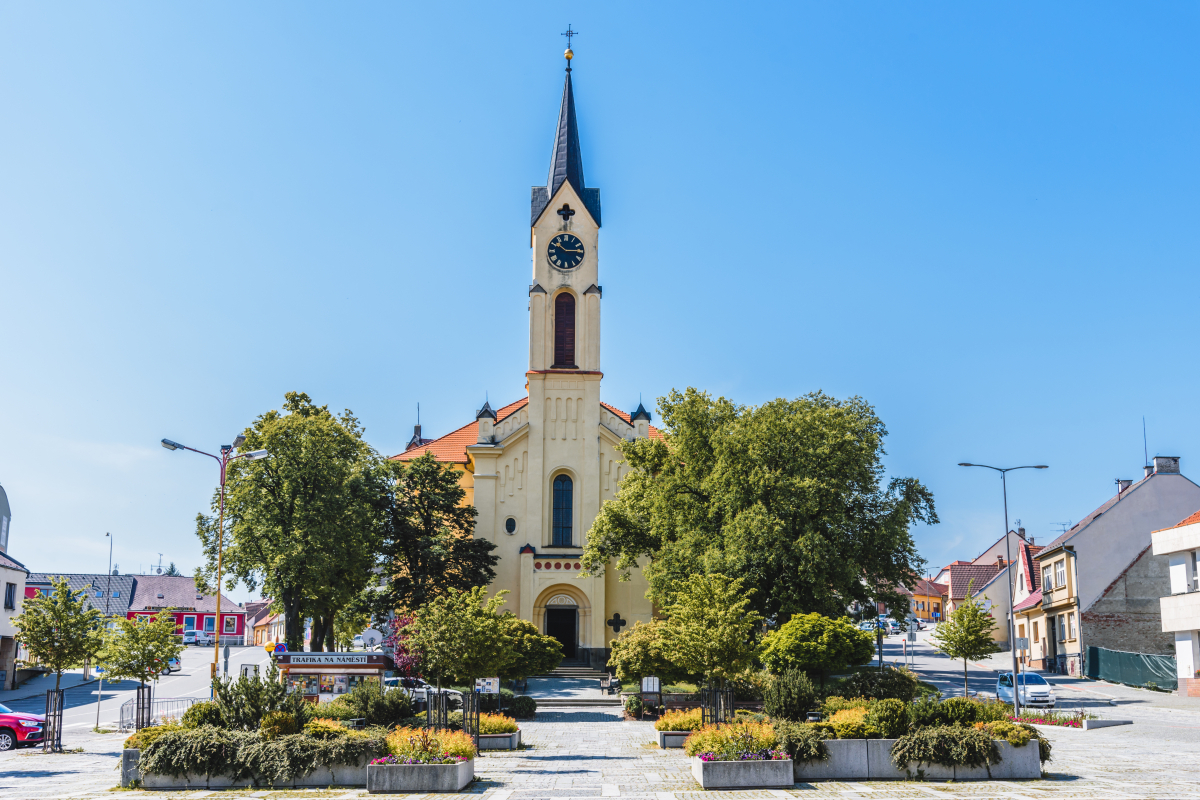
pixel 193 610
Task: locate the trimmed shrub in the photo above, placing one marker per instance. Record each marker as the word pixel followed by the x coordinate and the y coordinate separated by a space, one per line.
pixel 245 701
pixel 926 712
pixel 835 704
pixel 731 739
pixel 325 729
pixel 337 710
pixel 633 705
pixel 1018 734
pixel 888 684
pixel 204 713
pixel 497 723
pixel 365 701
pixel 948 746
pixel 679 721
pixel 803 742
pixel 142 739
pixel 789 696
pixel 278 723
pixel 889 717
pixel 524 707
pixel 850 723
pixel 960 711
pixel 992 711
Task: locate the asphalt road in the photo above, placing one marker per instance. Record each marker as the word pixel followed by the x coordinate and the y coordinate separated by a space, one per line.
pixel 191 681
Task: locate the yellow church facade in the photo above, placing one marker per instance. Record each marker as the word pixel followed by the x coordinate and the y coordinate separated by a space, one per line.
pixel 539 469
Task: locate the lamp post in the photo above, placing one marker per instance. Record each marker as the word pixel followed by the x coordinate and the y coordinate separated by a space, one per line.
pixel 107 595
pixel 1012 620
pixel 223 459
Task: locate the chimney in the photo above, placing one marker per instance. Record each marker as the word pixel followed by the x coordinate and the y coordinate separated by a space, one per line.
pixel 1021 532
pixel 1122 485
pixel 1000 561
pixel 1166 464
pixel 1148 470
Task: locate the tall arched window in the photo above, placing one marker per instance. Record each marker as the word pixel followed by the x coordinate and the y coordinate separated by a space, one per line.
pixel 562 511
pixel 564 332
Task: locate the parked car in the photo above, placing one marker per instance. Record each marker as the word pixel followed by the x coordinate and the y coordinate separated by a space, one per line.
pixel 171 666
pixel 417 690
pixel 869 625
pixel 1035 691
pixel 18 728
pixel 201 638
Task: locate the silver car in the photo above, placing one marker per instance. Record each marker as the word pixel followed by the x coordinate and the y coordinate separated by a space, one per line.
pixel 1035 691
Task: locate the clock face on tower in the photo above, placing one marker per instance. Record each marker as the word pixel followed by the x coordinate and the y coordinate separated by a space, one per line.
pixel 565 251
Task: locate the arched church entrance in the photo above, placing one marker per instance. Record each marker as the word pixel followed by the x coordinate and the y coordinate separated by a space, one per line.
pixel 564 612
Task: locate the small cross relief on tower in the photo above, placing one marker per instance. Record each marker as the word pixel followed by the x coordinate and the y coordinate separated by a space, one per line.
pixel 566 212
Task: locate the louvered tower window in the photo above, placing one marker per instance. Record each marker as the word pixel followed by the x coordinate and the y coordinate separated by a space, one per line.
pixel 562 511
pixel 564 332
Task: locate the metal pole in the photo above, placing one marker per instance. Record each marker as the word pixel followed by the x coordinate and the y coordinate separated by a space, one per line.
pixel 100 694
pixel 1012 641
pixel 220 554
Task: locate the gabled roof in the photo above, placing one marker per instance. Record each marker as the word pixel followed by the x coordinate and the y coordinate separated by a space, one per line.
pixel 94 583
pixel 974 576
pixel 566 162
pixel 8 561
pixel 928 588
pixel 652 432
pixel 1090 518
pixel 1033 577
pixel 1034 599
pixel 452 448
pixel 178 594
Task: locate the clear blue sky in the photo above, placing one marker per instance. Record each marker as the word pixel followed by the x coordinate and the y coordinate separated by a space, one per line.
pixel 983 220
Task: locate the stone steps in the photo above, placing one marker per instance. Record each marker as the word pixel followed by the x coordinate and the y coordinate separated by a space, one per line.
pixel 577 702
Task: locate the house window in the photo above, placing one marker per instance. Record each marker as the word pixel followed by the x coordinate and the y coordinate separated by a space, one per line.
pixel 1020 631
pixel 1047 583
pixel 210 624
pixel 1071 624
pixel 230 624
pixel 1035 632
pixel 10 595
pixel 116 594
pixel 189 623
pixel 564 331
pixel 562 511
pixel 1062 629
pixel 1060 573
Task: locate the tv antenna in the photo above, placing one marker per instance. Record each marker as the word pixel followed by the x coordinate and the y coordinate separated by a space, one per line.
pixel 1063 527
pixel 159 564
pixel 1145 447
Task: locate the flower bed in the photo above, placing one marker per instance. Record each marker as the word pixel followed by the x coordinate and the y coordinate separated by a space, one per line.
pixel 1062 720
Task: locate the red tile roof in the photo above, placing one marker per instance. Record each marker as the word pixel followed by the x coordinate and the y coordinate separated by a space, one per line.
pixel 452 448
pixel 929 588
pixel 1192 520
pixel 1029 602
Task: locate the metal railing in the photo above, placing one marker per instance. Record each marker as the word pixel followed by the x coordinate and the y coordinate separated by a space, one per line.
pixel 155 713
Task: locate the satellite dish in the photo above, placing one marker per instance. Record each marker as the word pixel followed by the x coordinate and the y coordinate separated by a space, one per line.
pixel 371 638
pixel 160 570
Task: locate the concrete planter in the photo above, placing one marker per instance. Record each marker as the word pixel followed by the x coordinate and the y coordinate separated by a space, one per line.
pixel 743 774
pixel 668 739
pixel 395 778
pixel 847 762
pixel 500 741
pixel 341 775
pixel 871 759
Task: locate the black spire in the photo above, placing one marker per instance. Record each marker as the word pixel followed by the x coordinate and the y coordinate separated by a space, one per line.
pixel 566 160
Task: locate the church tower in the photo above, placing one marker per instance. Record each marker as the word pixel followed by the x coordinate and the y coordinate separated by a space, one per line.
pixel 539 469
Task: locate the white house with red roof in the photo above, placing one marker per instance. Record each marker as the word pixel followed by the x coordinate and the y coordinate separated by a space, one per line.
pixel 538 469
pixel 1180 545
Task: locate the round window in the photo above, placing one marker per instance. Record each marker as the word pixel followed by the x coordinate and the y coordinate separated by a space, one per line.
pixel 510 526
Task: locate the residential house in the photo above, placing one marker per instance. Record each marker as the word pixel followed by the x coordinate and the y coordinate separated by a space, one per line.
pixel 257 615
pixel 12 579
pixel 110 594
pixel 1181 609
pixel 1100 582
pixel 926 600
pixel 193 609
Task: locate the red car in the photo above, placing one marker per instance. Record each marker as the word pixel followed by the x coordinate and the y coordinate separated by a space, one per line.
pixel 18 728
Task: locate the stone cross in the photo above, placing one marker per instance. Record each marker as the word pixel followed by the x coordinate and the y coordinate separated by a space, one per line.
pixel 616 623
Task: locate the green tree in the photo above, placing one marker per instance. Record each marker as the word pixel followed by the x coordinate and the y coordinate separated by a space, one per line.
pixel 304 523
pixel 461 637
pixel 966 634
pixel 428 546
pixel 140 648
pixel 641 651
pixel 532 653
pixel 790 494
pixel 710 627
pixel 816 644
pixel 60 630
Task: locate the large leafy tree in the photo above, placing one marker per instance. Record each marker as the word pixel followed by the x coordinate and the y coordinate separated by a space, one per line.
pixel 461 636
pixel 641 651
pixel 303 524
pixel 140 648
pixel 966 634
pixel 428 547
pixel 816 644
pixel 60 629
pixel 790 495
pixel 710 627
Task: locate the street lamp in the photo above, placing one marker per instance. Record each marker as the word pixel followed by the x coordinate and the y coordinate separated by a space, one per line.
pixel 1012 617
pixel 107 595
pixel 223 460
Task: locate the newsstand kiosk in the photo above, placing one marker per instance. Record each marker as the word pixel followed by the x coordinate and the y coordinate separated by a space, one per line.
pixel 321 677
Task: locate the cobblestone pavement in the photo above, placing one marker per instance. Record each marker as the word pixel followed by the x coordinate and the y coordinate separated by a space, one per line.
pixel 586 753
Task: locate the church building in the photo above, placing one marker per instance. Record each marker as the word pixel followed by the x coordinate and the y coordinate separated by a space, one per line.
pixel 538 469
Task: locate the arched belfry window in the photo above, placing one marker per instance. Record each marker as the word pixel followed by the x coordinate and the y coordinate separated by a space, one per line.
pixel 564 331
pixel 562 511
